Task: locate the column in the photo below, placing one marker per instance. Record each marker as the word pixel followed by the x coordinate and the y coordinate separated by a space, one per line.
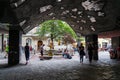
pixel 20 45
pixel 2 42
pixel 93 38
pixel 115 42
pixel 14 47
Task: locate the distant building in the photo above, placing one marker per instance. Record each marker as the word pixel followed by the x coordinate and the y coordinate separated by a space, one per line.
pixel 104 43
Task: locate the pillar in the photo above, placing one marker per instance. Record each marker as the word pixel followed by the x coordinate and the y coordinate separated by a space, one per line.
pixel 93 38
pixel 2 42
pixel 20 45
pixel 14 47
pixel 115 42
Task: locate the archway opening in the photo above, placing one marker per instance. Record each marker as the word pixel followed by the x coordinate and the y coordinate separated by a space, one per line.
pixel 57 35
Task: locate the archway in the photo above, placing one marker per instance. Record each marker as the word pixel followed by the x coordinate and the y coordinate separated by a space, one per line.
pixel 62 33
pixel 39 43
pixel 29 41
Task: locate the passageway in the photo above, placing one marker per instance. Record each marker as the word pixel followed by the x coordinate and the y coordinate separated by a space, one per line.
pixel 87 17
pixel 64 69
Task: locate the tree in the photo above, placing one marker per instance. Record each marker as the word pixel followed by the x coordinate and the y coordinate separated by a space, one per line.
pixel 55 29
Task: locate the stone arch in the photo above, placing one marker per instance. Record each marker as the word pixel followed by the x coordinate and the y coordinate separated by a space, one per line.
pixel 39 43
pixel 29 41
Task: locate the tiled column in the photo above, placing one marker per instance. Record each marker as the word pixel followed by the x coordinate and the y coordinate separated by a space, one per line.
pixel 93 38
pixel 2 42
pixel 14 47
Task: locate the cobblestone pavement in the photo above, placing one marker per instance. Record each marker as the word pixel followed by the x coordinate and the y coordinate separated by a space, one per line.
pixel 58 68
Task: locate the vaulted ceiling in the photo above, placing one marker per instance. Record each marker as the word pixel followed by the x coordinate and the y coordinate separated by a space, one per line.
pixel 84 16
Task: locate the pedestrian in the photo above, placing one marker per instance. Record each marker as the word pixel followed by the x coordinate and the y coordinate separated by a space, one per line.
pixel 6 51
pixel 31 49
pixel 41 51
pixel 90 52
pixel 27 52
pixel 81 52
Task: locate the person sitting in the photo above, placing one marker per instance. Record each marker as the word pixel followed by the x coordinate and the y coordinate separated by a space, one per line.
pixel 66 54
pixel 59 50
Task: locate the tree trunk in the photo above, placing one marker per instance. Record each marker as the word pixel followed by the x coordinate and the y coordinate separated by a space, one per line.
pixel 52 41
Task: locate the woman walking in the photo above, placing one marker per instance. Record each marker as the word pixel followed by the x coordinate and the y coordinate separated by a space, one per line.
pixel 27 53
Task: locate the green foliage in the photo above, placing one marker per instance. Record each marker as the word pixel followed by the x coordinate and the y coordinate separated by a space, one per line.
pixel 55 29
pixel 80 38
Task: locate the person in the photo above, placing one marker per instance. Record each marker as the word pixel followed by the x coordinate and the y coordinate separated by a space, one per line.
pixel 66 54
pixel 41 51
pixel 90 52
pixel 27 52
pixel 4 45
pixel 81 52
pixel 59 51
pixel 31 49
pixel 118 52
pixel 6 50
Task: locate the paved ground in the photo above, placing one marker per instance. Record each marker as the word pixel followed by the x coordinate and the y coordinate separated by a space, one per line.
pixel 59 68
